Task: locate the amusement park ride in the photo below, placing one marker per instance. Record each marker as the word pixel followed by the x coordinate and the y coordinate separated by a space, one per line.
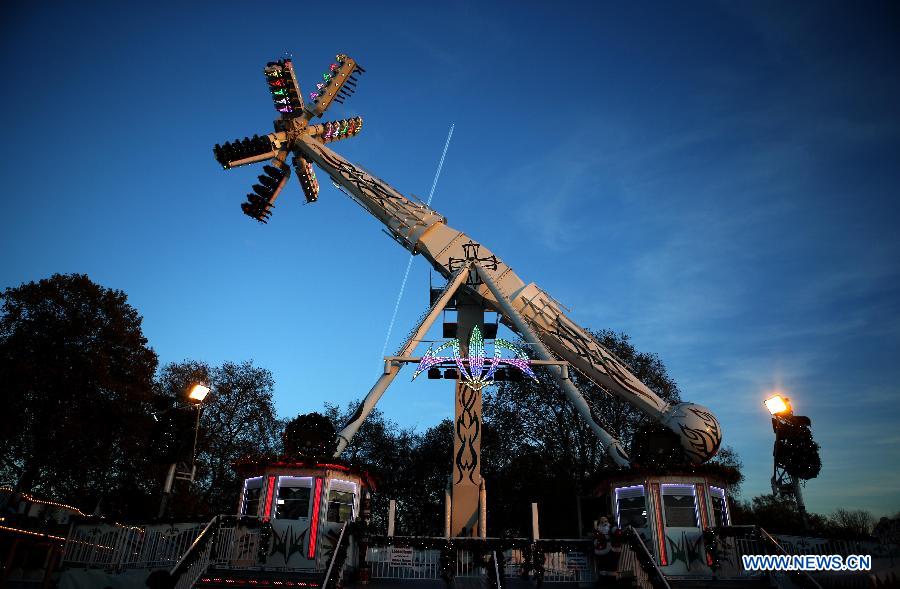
pixel 477 281
pixel 294 514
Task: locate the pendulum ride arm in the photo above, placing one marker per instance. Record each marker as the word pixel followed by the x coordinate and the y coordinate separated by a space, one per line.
pixel 392 368
pixel 530 311
pixel 421 230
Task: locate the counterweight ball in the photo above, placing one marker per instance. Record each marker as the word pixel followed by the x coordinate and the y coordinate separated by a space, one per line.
pixel 698 429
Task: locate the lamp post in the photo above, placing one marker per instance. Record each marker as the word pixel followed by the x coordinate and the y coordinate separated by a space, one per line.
pixel 196 396
pixel 784 479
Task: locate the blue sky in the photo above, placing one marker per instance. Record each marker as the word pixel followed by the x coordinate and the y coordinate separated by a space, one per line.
pixel 719 181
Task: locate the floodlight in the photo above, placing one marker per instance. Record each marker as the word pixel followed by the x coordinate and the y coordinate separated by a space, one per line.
pixel 198 393
pixel 778 405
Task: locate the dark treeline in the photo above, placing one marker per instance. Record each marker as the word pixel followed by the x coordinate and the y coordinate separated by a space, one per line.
pixel 90 418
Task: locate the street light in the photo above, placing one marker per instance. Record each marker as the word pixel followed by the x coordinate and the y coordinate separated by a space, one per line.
pixel 778 405
pixel 196 395
pixel 796 454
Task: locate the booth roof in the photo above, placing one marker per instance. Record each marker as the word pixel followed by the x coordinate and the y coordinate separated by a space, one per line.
pixel 253 464
pixel 716 473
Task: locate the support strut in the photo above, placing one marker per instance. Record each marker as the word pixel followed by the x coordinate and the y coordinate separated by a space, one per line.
pixel 613 447
pixel 392 367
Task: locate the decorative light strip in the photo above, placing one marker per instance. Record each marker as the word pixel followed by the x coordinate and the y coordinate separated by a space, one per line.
pixel 475 377
pixel 334 130
pixel 243 506
pixel 283 86
pixel 286 478
pixel 314 525
pixel 700 500
pixel 334 466
pixel 27 533
pixel 265 582
pixel 693 491
pixel 725 503
pixel 34 499
pixel 270 491
pixel 660 531
pixel 338 83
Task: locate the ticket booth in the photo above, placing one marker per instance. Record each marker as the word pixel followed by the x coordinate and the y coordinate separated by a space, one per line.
pixel 305 504
pixel 670 512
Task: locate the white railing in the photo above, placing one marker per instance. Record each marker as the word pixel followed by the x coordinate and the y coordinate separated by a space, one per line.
pixel 629 562
pixel 335 555
pixel 424 563
pixel 195 559
pixel 569 567
pixel 118 548
pixel 737 541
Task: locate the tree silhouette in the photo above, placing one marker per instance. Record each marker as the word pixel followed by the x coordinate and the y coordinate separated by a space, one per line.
pixel 76 378
pixel 309 434
pixel 238 420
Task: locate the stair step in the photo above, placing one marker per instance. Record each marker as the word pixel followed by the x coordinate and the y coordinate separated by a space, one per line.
pixel 215 578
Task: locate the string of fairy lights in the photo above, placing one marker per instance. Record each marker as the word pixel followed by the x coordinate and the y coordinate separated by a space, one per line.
pixel 72 508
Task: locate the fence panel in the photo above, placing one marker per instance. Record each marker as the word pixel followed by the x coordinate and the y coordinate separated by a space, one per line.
pixel 120 548
pixel 388 562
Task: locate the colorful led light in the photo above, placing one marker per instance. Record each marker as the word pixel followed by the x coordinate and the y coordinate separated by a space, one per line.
pixel 660 530
pixel 471 369
pixel 333 130
pixel 270 492
pixel 314 524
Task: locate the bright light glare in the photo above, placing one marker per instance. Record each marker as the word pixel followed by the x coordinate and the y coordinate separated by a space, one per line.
pixel 777 404
pixel 199 392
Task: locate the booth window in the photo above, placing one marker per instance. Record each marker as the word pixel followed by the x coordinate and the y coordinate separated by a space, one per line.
pixel 632 512
pixel 293 502
pixel 719 507
pixel 631 506
pixel 680 507
pixel 340 506
pixel 252 496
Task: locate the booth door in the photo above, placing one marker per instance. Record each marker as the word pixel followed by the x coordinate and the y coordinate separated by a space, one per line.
pixel 683 536
pixel 341 505
pixel 290 520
